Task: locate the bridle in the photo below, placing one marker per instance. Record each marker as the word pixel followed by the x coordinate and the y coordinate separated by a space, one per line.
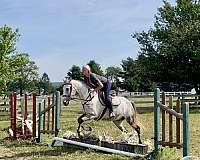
pixel 85 101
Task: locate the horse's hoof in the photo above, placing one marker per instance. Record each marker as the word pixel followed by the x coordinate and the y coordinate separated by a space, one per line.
pixel 79 136
pixel 90 128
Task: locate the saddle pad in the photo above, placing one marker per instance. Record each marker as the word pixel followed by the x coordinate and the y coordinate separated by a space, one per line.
pixel 115 101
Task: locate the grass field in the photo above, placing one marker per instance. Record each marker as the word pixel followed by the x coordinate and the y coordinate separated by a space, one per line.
pixel 26 150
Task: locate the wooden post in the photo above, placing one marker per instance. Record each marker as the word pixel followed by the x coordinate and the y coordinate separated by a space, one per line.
pixel 156 119
pixel 48 114
pixel 178 109
pixel 44 116
pixel 185 110
pixel 11 111
pixel 163 116
pixel 57 113
pixel 52 111
pixel 25 115
pixel 170 120
pixel 13 114
pixel 40 124
pixel 34 115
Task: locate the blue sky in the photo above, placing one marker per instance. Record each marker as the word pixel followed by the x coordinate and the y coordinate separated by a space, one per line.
pixel 60 33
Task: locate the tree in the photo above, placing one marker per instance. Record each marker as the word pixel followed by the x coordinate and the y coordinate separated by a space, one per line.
pixel 95 67
pixel 26 72
pixel 135 76
pixel 170 51
pixel 129 75
pixel 8 39
pixel 75 73
pixel 45 84
pixel 113 73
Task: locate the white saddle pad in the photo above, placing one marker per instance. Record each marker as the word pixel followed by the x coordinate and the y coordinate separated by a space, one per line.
pixel 115 101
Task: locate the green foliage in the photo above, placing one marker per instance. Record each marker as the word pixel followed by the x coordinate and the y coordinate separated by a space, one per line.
pixel 95 67
pixel 17 71
pixel 8 39
pixel 163 154
pixel 45 84
pixel 170 51
pixel 26 73
pixel 75 73
pixel 113 73
pixel 135 76
pixel 60 89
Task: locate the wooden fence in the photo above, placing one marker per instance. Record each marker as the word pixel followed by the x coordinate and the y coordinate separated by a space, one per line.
pixel 146 103
pixel 184 117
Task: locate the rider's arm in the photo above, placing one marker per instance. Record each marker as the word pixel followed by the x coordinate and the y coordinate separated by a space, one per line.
pixel 96 81
pixel 99 86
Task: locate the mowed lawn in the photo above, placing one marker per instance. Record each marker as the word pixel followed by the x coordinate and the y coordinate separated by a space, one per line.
pixel 26 150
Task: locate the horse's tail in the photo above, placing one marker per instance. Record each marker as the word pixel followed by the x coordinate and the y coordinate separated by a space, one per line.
pixel 134 115
pixel 133 105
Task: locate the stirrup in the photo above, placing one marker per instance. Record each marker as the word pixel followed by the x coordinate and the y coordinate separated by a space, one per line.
pixel 112 114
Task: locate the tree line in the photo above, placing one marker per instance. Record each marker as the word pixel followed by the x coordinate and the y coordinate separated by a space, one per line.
pixel 169 56
pixel 17 71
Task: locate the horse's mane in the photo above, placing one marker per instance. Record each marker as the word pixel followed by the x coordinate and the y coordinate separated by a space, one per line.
pixel 79 83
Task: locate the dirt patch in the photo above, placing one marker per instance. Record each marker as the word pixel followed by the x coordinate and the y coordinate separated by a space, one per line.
pixel 6 153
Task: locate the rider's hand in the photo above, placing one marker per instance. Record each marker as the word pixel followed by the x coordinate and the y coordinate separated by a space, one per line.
pixel 93 92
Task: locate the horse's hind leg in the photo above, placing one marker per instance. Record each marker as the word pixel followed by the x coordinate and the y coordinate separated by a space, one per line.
pixel 134 125
pixel 119 124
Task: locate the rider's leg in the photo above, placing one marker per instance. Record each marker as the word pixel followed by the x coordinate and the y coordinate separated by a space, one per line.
pixel 107 87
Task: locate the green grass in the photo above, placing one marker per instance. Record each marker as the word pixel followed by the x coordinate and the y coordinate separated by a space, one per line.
pixel 26 150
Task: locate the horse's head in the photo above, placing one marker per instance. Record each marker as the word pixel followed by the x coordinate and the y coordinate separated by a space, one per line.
pixel 73 90
pixel 66 93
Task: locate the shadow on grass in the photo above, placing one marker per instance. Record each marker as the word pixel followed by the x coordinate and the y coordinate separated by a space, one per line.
pixel 58 151
pixel 76 111
pixel 18 143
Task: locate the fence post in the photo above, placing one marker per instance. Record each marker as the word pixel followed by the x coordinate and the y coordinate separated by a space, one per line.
pixel 170 120
pixel 25 115
pixel 13 113
pixel 34 115
pixel 156 119
pixel 52 113
pixel 40 124
pixel 163 100
pixel 57 113
pixel 178 124
pixel 44 116
pixel 185 110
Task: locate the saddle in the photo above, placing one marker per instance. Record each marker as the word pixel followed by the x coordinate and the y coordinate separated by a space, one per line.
pixel 114 99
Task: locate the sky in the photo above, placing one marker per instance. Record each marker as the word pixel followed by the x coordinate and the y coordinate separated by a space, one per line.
pixel 60 33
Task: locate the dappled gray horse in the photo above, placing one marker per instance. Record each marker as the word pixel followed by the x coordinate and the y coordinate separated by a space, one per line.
pixel 94 108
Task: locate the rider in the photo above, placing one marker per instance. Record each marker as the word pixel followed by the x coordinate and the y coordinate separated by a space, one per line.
pixel 98 82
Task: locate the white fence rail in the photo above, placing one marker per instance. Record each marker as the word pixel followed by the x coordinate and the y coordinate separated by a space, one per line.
pixel 139 94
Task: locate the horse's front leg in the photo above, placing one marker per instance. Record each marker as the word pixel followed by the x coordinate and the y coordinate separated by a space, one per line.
pixel 81 119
